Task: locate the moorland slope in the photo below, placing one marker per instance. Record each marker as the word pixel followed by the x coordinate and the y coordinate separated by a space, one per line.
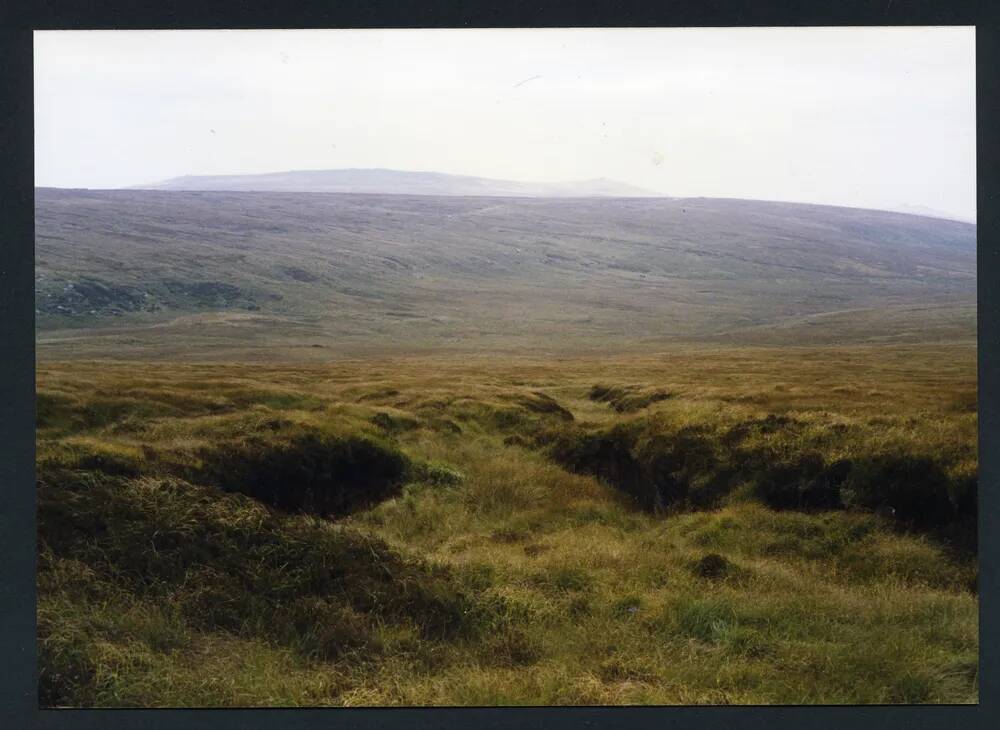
pixel 321 274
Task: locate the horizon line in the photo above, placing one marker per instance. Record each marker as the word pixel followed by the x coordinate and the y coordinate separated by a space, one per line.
pixel 901 209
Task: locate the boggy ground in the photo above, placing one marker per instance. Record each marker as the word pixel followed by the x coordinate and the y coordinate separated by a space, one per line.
pixel 705 526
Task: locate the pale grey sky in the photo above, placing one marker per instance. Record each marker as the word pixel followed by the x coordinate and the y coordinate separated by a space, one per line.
pixel 868 117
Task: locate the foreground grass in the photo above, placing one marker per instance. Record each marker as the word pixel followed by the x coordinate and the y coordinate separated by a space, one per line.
pixel 477 568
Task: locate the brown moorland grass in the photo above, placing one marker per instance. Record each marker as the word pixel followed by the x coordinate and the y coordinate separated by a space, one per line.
pixel 499 559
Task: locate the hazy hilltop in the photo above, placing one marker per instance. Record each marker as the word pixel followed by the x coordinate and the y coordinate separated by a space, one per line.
pixel 211 274
pixel 397 182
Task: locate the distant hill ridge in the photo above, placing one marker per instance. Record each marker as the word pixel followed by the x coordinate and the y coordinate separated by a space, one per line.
pixel 399 182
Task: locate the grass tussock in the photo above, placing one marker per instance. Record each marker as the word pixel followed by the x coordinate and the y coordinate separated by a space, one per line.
pixel 221 564
pixel 628 398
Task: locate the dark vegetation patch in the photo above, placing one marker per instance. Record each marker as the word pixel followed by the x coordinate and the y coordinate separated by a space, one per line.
pixel 803 481
pixel 221 563
pixel 92 297
pixel 668 468
pixel 712 566
pixel 207 295
pixel 659 472
pixel 86 298
pixel 628 398
pixel 308 471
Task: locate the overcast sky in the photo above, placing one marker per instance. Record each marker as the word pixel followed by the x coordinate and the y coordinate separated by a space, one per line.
pixel 881 118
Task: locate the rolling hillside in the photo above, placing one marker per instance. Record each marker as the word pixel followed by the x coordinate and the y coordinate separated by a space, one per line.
pixel 318 274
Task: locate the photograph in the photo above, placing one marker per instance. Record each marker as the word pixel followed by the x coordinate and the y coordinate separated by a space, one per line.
pixel 506 367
